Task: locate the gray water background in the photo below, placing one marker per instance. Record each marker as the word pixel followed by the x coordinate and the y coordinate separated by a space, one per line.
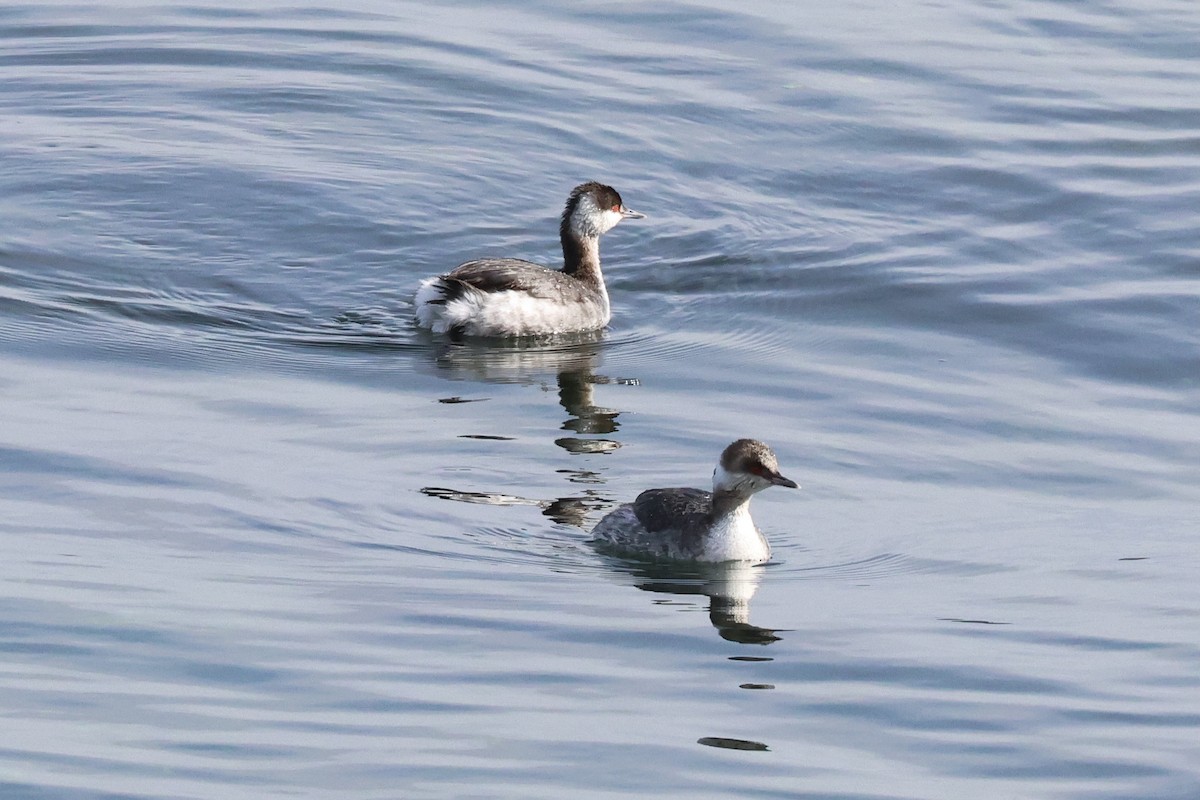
pixel 260 538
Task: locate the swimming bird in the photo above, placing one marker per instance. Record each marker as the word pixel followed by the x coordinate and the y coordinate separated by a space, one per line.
pixel 512 297
pixel 695 525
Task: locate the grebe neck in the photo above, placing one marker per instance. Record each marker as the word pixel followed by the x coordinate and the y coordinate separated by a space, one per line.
pixel 726 503
pixel 581 257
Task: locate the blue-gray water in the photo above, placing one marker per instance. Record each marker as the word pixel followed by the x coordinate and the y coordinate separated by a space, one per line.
pixel 943 257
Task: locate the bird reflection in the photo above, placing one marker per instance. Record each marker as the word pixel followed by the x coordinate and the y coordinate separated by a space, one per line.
pixel 576 395
pixel 572 359
pixel 729 587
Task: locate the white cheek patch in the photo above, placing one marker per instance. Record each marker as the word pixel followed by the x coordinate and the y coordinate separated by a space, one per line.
pixel 724 479
pixel 589 220
pixel 585 217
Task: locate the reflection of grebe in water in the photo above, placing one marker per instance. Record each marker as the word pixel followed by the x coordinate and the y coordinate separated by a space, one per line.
pixel 729 587
pixel 573 360
pixel 694 525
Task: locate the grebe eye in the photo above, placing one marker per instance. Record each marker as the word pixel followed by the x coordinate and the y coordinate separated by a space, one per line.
pixel 617 208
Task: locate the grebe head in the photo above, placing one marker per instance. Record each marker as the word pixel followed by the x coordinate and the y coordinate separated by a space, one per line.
pixel 747 467
pixel 594 209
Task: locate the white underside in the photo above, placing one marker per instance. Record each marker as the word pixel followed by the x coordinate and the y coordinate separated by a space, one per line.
pixel 734 537
pixel 506 313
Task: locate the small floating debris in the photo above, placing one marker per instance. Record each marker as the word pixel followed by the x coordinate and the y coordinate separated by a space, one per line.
pixel 457 399
pixel 972 621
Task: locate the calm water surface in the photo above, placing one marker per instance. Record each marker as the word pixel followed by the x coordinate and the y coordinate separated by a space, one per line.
pixel 260 538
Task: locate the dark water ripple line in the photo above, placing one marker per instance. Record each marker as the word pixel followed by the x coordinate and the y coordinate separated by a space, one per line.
pixel 1074 641
pixel 155 310
pixel 50 283
pixel 146 317
pixel 884 565
pixel 226 321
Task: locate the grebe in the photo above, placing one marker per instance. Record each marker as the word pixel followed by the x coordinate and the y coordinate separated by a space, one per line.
pixel 694 525
pixel 511 297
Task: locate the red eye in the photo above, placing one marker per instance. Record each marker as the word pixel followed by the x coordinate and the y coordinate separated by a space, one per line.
pixel 617 208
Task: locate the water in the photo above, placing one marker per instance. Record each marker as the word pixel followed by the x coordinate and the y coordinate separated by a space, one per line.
pixel 260 538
